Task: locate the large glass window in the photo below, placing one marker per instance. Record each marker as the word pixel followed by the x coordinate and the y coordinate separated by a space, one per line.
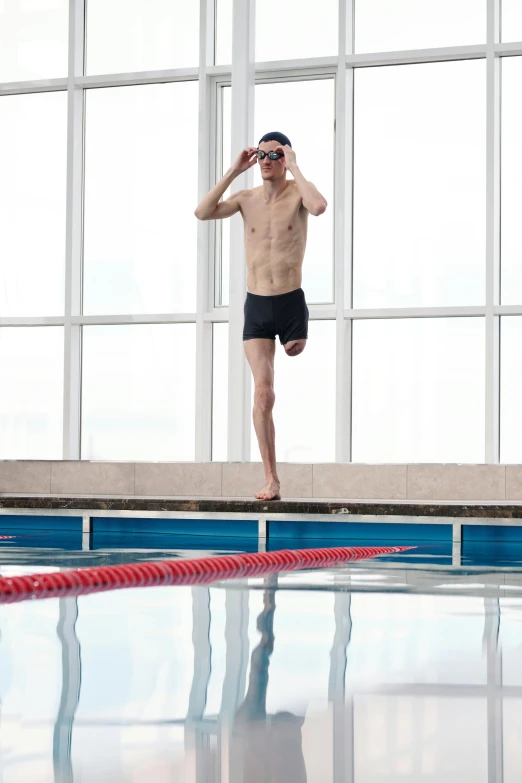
pixel 33 40
pixel 288 105
pixel 420 185
pixel 381 25
pixel 33 160
pixel 304 411
pixel 139 392
pixel 31 394
pixel 140 194
pixel 418 390
pixel 511 181
pixel 145 35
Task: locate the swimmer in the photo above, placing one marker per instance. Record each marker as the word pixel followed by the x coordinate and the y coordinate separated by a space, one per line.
pixel 275 217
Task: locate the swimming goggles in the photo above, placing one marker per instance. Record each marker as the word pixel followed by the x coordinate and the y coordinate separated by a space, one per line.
pixel 272 155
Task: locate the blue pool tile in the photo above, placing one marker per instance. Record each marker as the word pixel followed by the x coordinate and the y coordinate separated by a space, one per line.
pixel 215 528
pixel 17 523
pixel 173 541
pixel 492 533
pixel 372 533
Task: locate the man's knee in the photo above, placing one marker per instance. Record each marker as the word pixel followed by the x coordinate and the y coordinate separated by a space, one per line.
pixel 295 347
pixel 264 397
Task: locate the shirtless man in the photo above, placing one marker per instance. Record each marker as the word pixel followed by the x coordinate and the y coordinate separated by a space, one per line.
pixel 275 217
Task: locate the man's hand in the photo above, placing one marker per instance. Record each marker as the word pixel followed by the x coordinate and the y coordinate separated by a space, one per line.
pixel 245 160
pixel 290 159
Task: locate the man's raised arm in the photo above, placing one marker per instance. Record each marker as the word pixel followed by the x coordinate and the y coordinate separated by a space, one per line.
pixel 209 208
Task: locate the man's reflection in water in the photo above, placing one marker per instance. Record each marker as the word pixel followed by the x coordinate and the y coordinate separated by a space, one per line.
pixel 265 749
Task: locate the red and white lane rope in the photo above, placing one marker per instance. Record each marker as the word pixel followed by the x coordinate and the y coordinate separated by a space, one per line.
pixel 179 572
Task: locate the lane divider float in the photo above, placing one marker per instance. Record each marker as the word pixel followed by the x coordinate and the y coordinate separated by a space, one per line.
pixel 198 571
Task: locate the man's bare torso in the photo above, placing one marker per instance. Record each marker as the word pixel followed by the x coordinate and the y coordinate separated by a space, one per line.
pixel 275 240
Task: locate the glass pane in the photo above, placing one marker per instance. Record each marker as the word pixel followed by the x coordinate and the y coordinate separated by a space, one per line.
pixel 293 29
pixel 31 402
pixel 420 185
pixel 284 31
pixel 382 26
pixel 300 388
pixel 511 20
pixel 219 392
pixel 140 190
pixel 224 24
pixel 418 390
pixel 33 39
pixel 511 182
pixel 33 183
pixel 145 35
pixel 510 385
pixel 138 393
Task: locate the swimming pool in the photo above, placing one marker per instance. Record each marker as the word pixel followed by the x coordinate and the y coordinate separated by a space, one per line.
pixel 390 669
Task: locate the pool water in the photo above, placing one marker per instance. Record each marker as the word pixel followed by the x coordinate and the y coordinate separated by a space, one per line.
pixel 395 669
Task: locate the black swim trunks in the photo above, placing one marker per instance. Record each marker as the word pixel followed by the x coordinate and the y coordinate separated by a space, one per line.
pixel 282 314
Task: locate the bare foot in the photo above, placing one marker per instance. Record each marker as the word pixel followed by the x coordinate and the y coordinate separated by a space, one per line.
pixel 270 492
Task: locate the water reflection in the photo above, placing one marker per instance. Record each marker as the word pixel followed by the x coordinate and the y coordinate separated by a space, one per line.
pixel 329 681
pixel 266 747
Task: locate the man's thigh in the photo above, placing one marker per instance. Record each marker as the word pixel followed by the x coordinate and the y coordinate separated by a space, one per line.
pixel 260 354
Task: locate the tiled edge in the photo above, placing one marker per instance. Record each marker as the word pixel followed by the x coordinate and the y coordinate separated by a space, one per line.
pixel 513 482
pixel 178 479
pixel 92 478
pixel 26 476
pixel 456 482
pixel 353 481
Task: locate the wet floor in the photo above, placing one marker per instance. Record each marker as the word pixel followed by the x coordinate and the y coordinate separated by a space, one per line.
pixel 384 670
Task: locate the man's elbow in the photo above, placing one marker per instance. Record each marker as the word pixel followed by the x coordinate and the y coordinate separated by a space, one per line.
pixel 318 209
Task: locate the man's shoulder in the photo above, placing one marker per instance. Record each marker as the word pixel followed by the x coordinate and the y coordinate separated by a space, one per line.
pixel 246 193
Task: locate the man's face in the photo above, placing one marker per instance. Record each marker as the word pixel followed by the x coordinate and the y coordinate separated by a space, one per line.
pixel 271 169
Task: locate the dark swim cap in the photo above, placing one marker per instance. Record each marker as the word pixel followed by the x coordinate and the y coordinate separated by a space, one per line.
pixel 276 136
